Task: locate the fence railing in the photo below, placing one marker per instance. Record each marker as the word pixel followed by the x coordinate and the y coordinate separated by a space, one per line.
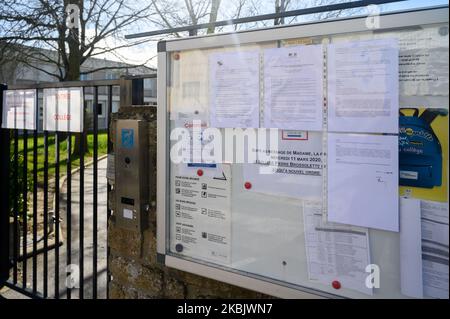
pixel 35 255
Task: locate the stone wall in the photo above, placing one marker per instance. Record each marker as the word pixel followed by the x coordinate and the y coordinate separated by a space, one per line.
pixel 133 267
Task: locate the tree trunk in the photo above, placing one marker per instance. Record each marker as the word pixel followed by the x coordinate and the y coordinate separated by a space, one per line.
pixel 215 4
pixel 73 73
pixel 280 7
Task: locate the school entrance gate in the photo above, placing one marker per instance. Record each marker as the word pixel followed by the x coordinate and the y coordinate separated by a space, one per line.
pixel 54 191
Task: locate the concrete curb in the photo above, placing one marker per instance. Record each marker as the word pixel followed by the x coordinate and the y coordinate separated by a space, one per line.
pixel 76 170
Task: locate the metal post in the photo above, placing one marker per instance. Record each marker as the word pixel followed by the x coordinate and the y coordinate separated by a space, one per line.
pixel 57 213
pixel 125 92
pixel 45 262
pixel 69 209
pixel 35 193
pixel 24 212
pixel 95 197
pixel 110 148
pixel 81 206
pixel 137 92
pixel 4 198
pixel 131 91
pixel 15 189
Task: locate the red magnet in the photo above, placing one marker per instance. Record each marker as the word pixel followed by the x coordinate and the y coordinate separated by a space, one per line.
pixel 200 172
pixel 176 56
pixel 336 284
pixel 248 185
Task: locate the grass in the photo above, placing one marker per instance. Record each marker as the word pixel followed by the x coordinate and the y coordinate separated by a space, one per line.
pixel 63 151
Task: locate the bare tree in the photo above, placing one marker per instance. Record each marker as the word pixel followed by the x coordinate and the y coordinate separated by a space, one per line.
pixel 172 13
pixel 6 62
pixel 37 34
pixel 286 5
pixel 31 25
pixel 280 7
pixel 215 5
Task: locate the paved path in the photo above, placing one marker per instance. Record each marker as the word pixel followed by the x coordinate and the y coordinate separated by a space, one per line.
pixel 88 228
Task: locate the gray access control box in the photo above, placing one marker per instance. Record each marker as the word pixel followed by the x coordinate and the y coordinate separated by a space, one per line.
pixel 131 174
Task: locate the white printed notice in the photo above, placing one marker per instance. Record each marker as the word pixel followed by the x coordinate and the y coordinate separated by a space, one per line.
pixel 435 249
pixel 201 216
pixel 234 89
pixel 363 86
pixel 293 168
pixel 424 248
pixel 363 180
pixel 335 252
pixel 19 109
pixel 423 60
pixel 424 71
pixel 192 143
pixel 192 161
pixel 293 88
pixel 189 84
pixel 63 110
pixel 410 248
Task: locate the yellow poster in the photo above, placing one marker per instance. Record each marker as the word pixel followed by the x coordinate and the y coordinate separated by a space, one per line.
pixel 423 157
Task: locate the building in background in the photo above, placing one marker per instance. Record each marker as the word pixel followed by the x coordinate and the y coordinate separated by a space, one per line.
pixel 16 73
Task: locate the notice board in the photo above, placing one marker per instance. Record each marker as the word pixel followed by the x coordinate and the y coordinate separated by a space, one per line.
pixel 308 160
pixel 19 109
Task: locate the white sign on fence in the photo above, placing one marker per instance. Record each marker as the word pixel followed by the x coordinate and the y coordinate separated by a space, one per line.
pixel 19 109
pixel 63 109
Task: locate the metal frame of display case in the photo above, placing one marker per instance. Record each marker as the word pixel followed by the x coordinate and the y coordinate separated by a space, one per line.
pixel 388 22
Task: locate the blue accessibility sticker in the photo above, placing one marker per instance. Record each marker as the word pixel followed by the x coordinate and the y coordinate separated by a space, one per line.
pixel 127 138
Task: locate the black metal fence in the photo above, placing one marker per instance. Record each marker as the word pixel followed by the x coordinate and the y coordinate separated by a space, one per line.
pixel 57 248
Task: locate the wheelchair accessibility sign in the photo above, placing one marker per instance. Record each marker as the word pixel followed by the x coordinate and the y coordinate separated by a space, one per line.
pixel 127 138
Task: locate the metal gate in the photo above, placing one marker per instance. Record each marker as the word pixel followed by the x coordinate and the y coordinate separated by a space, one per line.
pixel 54 202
